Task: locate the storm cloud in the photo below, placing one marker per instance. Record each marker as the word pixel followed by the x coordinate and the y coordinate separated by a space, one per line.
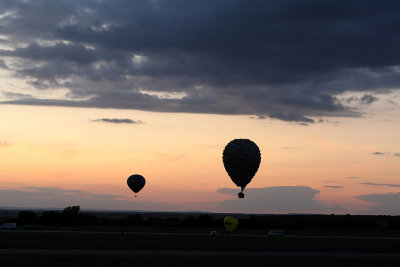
pixel 287 60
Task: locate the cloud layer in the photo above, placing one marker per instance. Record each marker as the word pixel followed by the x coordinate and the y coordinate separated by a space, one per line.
pixel 55 197
pixel 281 59
pixel 384 203
pixel 278 199
pixel 375 184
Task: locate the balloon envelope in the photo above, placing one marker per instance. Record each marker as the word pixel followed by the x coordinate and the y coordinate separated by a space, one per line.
pixel 136 182
pixel 230 223
pixel 241 159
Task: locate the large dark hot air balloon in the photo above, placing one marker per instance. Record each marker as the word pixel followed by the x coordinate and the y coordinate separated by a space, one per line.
pixel 241 159
pixel 136 182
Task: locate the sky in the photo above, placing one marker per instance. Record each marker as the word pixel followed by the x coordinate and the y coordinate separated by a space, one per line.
pixel 94 91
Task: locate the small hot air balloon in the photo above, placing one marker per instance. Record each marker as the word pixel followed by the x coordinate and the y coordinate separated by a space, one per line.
pixel 241 159
pixel 136 182
pixel 230 223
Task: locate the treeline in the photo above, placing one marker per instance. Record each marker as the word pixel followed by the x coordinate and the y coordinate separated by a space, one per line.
pixel 73 216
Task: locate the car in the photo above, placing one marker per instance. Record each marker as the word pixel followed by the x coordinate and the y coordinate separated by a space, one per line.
pixel 213 233
pixel 8 226
pixel 276 233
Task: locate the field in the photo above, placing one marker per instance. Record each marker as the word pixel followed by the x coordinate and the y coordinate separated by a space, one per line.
pixel 185 261
pixel 183 239
pixel 193 249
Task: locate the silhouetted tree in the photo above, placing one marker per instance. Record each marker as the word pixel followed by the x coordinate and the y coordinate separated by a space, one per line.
pixel 50 218
pixel 71 210
pixel 86 219
pixel 27 217
pixel 154 221
pixel 189 221
pixel 172 222
pixel 70 214
pixel 204 220
pixel 134 220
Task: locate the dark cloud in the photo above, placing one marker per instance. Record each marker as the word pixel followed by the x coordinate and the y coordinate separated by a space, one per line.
pixel 279 199
pixel 375 184
pixel 365 99
pixel 279 59
pixel 59 52
pixel 119 121
pixel 12 95
pixel 387 204
pixel 333 186
pixel 368 99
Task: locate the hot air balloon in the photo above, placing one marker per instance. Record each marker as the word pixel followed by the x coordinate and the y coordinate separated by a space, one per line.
pixel 230 223
pixel 241 159
pixel 136 182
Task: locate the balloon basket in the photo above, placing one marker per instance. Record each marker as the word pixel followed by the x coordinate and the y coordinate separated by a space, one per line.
pixel 241 195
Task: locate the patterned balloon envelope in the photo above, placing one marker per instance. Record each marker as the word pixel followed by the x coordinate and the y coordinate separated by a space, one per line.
pixel 241 159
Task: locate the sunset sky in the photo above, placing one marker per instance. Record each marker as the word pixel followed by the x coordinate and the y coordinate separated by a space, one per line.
pixel 94 91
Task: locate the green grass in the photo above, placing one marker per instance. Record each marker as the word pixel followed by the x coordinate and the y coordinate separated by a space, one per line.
pixel 177 261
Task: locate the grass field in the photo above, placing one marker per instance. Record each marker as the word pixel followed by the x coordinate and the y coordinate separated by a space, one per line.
pixel 67 240
pixel 185 261
pixel 257 231
pixel 116 241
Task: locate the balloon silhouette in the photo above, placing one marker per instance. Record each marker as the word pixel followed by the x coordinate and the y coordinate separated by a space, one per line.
pixel 230 223
pixel 241 159
pixel 136 182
